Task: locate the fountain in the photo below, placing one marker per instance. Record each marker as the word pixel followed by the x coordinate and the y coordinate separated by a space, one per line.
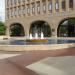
pixel 31 36
pixel 36 35
pixel 42 35
pixel 37 39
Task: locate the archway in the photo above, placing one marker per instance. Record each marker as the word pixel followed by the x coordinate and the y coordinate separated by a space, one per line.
pixel 40 29
pixel 17 29
pixel 66 28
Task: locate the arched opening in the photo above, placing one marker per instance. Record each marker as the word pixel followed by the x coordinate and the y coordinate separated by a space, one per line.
pixel 67 28
pixel 40 29
pixel 17 29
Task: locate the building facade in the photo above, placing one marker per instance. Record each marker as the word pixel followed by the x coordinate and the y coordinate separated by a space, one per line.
pixel 30 13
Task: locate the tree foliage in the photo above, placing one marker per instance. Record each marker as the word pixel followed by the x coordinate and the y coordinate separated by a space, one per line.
pixel 16 30
pixel 2 28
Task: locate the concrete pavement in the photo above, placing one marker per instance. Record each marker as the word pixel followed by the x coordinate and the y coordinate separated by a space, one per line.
pixel 57 62
pixel 54 66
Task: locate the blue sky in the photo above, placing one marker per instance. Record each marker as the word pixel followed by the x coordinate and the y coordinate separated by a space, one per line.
pixel 2 10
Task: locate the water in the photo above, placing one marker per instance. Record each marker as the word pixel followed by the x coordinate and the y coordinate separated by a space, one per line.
pixel 23 42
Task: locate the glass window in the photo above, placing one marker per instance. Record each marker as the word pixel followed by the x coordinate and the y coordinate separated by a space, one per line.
pixel 28 9
pixel 11 12
pixel 44 6
pixel 12 1
pixel 24 10
pixel 23 0
pixel 71 4
pixel 19 1
pixel 15 1
pixel 38 7
pixel 19 10
pixel 63 5
pixel 50 5
pixel 33 8
pixel 57 5
pixel 7 16
pixel 7 2
pixel 15 12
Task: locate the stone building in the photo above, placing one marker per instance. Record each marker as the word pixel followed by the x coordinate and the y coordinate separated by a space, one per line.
pixel 40 16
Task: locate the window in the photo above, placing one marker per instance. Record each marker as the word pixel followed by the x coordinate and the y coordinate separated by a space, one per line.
pixel 71 4
pixel 57 5
pixel 23 0
pixel 11 12
pixel 7 3
pixel 15 1
pixel 19 10
pixel 50 5
pixel 15 12
pixel 44 6
pixel 38 7
pixel 28 9
pixel 12 2
pixel 33 8
pixel 24 10
pixel 19 1
pixel 7 16
pixel 63 5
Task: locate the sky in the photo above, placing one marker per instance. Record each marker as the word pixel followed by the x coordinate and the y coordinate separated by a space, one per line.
pixel 2 10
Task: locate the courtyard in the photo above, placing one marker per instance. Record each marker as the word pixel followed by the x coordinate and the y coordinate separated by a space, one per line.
pixel 59 62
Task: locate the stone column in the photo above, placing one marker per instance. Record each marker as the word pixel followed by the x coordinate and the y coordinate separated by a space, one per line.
pixel 74 5
pixel 30 8
pixel 41 11
pixel 47 6
pixel 60 5
pixel 26 31
pixel 35 8
pixel 54 26
pixel 9 2
pixel 67 5
pixel 26 8
pixel 7 30
pixel 6 3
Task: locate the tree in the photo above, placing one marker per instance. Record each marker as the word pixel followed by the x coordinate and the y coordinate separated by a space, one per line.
pixel 16 30
pixel 2 28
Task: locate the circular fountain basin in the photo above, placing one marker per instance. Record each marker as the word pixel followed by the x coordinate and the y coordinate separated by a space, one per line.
pixel 35 44
pixel 37 40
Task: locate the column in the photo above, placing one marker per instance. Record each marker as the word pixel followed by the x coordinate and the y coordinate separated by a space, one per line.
pixel 9 2
pixel 41 7
pixel 26 8
pixel 60 5
pixel 74 5
pixel 47 6
pixel 7 30
pixel 67 5
pixel 30 8
pixel 6 3
pixel 35 8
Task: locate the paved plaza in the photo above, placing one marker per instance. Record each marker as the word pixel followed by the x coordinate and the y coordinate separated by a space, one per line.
pixel 55 66
pixel 56 62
